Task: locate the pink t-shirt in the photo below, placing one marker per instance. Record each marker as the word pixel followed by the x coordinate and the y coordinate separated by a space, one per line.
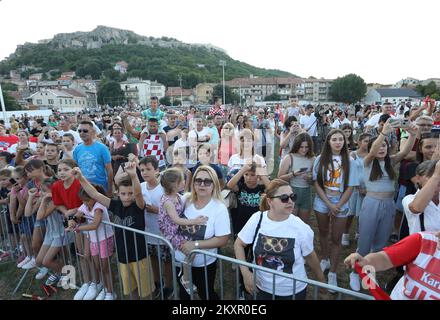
pixel 103 231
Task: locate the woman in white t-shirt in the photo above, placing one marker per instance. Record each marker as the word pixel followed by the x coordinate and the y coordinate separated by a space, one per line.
pixel 205 200
pixel 422 209
pixel 246 155
pixel 280 241
pixel 23 143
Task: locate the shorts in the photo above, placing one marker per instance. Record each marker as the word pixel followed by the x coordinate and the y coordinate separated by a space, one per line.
pixel 137 275
pixel 320 206
pixel 105 249
pixel 40 223
pixel 355 203
pixel 400 196
pixel 52 241
pixel 303 198
pixel 26 225
pixel 165 254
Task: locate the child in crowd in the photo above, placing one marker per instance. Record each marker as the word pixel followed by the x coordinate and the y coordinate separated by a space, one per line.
pixel 128 210
pixel 68 145
pixel 152 192
pixel 6 183
pixel 37 172
pixel 171 215
pixel 101 240
pixel 55 239
pixel 65 196
pixel 16 207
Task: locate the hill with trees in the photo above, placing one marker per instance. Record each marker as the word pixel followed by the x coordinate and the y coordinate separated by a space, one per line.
pixel 94 54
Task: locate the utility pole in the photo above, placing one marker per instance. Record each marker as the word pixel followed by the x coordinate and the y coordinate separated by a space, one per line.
pixel 223 64
pixel 3 104
pixel 181 93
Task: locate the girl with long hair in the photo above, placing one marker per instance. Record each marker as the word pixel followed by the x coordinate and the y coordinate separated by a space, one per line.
pixel 334 182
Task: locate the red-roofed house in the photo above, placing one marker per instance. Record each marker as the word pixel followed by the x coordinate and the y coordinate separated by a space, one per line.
pixel 179 93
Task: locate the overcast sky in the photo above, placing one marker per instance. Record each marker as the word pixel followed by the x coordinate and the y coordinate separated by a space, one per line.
pixel 380 40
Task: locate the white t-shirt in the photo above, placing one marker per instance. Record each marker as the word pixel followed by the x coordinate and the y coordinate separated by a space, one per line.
pixel 282 246
pixel 235 162
pixel 293 112
pixel 104 231
pixel 309 123
pixel 13 148
pixel 431 216
pixel 218 225
pixel 337 124
pixel 152 197
pixel 193 134
pixel 74 133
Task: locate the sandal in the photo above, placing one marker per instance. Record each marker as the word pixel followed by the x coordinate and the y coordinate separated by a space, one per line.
pixel 186 286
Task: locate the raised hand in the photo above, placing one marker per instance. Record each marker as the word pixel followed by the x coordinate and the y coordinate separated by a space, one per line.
pixel 76 172
pixel 130 168
pixel 33 192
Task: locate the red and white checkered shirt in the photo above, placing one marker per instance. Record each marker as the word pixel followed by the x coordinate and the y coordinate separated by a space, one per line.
pixel 213 111
pixel 153 146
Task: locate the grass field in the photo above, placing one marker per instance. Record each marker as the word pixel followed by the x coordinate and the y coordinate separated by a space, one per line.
pixel 10 274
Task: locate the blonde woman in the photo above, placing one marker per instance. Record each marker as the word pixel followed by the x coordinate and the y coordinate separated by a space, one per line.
pixel 205 200
pixel 281 241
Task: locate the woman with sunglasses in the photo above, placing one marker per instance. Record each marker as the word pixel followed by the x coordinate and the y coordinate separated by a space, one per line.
pixel 206 200
pixel 279 241
pixel 334 181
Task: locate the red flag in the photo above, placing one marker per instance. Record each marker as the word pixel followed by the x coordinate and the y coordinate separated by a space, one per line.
pixel 375 290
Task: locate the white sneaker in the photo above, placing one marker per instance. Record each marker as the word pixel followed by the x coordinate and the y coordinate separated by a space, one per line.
pixel 332 280
pixel 355 281
pixel 26 260
pixel 110 296
pixel 101 295
pixel 93 291
pixel 82 292
pixel 42 273
pixel 30 265
pixel 345 239
pixel 325 265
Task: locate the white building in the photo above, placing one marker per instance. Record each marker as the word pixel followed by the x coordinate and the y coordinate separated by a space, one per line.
pixel 317 90
pixel 407 82
pixel 140 91
pixel 393 95
pixel 65 99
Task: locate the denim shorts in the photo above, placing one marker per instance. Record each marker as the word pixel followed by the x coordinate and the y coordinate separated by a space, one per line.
pixel 321 207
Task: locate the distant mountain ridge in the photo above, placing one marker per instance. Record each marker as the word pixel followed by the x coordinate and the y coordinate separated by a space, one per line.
pixel 95 53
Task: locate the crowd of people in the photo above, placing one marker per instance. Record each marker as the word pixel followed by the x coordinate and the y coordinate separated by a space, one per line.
pixel 369 173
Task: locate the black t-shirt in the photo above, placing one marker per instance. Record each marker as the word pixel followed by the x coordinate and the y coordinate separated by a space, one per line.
pixel 133 217
pixel 54 167
pixel 248 202
pixel 175 138
pixel 35 132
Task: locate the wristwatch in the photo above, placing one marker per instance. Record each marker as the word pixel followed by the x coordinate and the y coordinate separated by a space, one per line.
pixel 197 244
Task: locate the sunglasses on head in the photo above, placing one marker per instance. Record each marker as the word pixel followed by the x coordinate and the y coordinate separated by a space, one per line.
pixel 205 182
pixel 83 130
pixel 285 197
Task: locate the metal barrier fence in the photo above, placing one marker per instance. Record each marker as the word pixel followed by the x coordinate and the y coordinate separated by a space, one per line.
pixel 129 271
pixel 256 268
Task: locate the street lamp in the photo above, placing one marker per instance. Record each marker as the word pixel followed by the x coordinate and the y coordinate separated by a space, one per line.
pixel 223 64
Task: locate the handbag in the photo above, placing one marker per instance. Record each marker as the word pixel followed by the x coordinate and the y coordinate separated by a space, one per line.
pixel 250 255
